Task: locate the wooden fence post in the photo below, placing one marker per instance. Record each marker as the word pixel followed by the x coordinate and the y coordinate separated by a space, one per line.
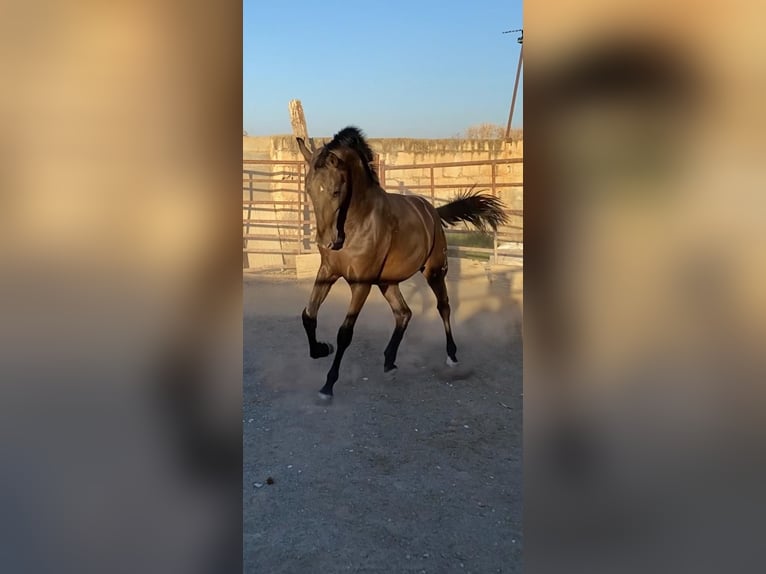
pixel 298 120
pixel 300 130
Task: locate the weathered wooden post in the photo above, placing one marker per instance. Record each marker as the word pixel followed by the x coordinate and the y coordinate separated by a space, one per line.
pixel 298 123
pixel 298 120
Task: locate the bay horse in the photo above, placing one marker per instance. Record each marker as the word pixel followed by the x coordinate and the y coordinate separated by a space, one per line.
pixel 371 237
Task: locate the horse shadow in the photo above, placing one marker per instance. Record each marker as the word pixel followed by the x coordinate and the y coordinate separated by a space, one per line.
pixel 499 313
pixel 486 313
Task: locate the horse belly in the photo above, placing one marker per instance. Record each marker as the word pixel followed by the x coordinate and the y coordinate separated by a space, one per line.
pixel 406 256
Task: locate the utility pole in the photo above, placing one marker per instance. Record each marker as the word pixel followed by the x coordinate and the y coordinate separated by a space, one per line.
pixel 520 40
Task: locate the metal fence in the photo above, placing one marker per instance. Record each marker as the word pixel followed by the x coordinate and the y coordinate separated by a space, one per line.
pixel 278 220
pixel 277 215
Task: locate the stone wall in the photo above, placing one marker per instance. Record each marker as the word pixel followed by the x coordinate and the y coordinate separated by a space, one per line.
pixel 402 151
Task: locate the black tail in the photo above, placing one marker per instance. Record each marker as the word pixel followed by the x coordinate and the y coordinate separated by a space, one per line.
pixel 472 207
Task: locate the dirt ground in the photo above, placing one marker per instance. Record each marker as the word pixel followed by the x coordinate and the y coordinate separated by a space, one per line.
pixel 416 473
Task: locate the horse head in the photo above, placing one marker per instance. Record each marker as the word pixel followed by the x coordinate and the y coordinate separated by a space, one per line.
pixel 332 171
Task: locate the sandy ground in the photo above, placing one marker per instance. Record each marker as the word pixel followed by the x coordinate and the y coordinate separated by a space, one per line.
pixel 416 473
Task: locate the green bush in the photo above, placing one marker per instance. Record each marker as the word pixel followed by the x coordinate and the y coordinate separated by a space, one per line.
pixel 471 239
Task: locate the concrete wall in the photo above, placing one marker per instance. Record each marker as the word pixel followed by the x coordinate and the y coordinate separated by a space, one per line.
pixel 397 152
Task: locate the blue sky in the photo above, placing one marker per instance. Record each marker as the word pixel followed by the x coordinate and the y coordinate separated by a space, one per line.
pixel 417 68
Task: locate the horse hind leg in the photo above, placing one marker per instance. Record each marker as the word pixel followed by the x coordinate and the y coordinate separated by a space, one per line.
pixel 402 315
pixel 435 278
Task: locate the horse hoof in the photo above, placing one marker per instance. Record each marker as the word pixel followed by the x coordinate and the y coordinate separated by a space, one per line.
pixel 324 350
pixel 389 368
pixel 324 396
pixel 451 363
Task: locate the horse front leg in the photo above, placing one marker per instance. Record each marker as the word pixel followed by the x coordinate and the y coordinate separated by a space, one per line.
pixel 324 281
pixel 359 293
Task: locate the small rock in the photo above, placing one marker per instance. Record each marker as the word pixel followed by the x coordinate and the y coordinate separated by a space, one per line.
pixel 269 480
pixel 257 484
pixel 365 379
pixel 466 427
pixel 289 466
pixel 249 420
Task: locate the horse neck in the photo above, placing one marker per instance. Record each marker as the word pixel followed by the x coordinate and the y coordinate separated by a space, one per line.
pixel 364 192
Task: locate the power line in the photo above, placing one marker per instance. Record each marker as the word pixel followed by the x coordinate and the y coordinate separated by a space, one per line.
pixel 520 39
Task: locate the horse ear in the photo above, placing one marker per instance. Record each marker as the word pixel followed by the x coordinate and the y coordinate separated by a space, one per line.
pixel 335 161
pixel 307 154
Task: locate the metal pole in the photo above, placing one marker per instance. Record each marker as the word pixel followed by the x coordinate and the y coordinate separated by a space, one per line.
pixel 515 89
pixel 494 194
pixel 433 191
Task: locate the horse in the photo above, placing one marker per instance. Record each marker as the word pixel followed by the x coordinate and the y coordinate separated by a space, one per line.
pixel 371 237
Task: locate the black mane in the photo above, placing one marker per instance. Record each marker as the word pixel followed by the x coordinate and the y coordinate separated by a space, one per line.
pixel 352 137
